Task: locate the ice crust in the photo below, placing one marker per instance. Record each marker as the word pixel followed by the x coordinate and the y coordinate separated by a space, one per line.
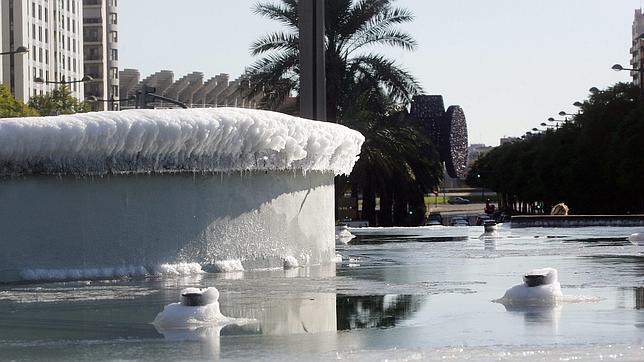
pixel 181 269
pixel 174 140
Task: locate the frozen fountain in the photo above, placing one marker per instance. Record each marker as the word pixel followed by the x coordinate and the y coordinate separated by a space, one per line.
pixel 108 194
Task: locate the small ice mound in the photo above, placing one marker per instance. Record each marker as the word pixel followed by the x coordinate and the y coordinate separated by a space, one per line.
pixel 490 230
pixel 540 288
pixel 290 262
pixel 228 266
pixel 337 259
pixel 342 235
pixel 637 239
pixel 181 269
pixel 198 307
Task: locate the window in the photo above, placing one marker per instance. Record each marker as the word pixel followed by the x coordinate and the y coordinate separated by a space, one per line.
pixel 39 12
pixel 114 36
pixel 33 9
pixel 34 52
pixel 74 65
pixel 40 33
pixel 40 55
pixel 46 15
pixel 46 56
pixel 33 31
pixel 114 54
pixel 46 35
pixel 74 26
pixel 74 6
pixel 113 18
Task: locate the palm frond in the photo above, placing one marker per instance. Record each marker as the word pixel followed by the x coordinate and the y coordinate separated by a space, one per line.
pixel 286 13
pixel 400 84
pixel 275 41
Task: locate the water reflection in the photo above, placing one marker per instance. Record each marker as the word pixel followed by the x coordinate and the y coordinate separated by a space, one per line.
pixel 358 312
pixel 366 239
pixel 538 315
pixel 639 297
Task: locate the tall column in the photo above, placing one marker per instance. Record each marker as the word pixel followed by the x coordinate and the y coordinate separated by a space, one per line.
pixel 312 61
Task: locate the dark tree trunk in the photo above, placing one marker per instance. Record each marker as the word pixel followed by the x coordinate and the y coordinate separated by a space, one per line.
pixel 369 205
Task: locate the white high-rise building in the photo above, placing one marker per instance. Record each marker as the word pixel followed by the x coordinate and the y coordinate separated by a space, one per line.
pixel 52 31
pixel 637 47
pixel 100 42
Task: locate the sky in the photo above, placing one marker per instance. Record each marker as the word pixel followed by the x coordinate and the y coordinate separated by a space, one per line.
pixel 511 64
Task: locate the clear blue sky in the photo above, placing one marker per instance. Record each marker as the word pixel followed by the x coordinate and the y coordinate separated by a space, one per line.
pixel 509 63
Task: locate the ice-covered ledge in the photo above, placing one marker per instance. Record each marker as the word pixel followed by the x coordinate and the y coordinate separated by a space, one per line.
pixel 113 193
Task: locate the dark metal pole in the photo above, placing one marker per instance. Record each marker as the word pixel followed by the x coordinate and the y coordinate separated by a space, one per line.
pixel 312 60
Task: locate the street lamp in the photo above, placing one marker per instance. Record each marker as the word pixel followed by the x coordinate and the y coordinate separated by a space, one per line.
pixel 578 104
pixel 86 78
pixel 19 50
pixel 593 90
pixel 640 70
pixel 112 100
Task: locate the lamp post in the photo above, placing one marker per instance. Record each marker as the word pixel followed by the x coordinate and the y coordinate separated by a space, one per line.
pixel 112 100
pixel 640 70
pixel 86 78
pixel 19 50
pixel 12 81
pixel 557 121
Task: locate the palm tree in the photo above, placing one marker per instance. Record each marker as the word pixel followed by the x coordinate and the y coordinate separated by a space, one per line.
pixel 398 161
pixel 352 26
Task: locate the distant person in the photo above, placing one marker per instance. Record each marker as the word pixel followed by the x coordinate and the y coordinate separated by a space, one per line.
pixel 560 209
pixel 489 207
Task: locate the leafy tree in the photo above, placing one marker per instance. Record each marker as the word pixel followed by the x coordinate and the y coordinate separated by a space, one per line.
pixel 593 164
pixel 59 101
pixel 352 27
pixel 10 107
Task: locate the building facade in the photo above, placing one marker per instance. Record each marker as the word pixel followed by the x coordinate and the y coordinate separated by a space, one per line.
pixel 637 47
pixel 100 46
pixel 51 30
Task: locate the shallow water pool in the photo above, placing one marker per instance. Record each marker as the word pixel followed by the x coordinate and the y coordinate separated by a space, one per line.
pixel 399 293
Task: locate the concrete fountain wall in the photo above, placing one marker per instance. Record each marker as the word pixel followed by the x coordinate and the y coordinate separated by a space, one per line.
pixel 121 193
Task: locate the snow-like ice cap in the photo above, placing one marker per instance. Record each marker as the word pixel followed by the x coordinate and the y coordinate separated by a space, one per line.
pixel 174 140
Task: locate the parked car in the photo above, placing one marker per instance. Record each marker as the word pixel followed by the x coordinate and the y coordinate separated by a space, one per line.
pixel 460 221
pixel 457 200
pixel 482 218
pixel 434 219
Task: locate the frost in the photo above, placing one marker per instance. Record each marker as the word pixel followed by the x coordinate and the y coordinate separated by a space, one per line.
pixel 174 140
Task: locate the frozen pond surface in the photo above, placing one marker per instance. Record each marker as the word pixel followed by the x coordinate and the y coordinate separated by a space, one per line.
pixel 401 294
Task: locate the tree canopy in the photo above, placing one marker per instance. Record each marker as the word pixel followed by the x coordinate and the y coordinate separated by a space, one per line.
pixel 10 107
pixel 594 163
pixel 352 27
pixel 58 101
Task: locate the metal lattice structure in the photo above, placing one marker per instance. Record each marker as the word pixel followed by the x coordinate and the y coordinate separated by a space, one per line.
pixel 447 129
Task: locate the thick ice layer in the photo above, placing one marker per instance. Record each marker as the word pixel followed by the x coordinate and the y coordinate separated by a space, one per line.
pixel 171 224
pixel 201 140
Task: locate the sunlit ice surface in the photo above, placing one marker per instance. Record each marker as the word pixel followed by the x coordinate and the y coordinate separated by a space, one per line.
pixel 398 294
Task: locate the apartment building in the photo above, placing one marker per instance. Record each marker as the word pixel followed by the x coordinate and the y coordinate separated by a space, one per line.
pixel 100 46
pixel 51 30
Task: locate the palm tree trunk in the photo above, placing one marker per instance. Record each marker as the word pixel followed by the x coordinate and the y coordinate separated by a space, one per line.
pixel 369 204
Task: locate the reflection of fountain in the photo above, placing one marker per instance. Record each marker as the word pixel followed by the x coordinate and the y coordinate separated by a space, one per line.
pixel 639 297
pixel 126 191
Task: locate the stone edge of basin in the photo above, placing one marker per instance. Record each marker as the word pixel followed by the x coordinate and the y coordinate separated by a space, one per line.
pixel 577 221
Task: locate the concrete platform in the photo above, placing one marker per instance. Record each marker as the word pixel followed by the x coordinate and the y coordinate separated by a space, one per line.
pixel 577 221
